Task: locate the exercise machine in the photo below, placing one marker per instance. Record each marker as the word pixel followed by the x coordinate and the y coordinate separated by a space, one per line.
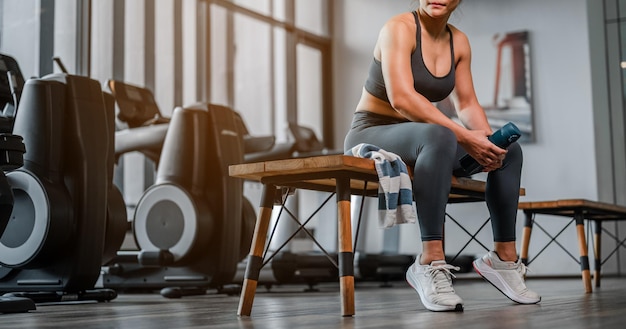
pixel 138 267
pixel 54 243
pixel 193 226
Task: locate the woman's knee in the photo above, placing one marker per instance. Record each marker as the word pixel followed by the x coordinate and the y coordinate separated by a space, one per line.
pixel 441 133
pixel 438 149
pixel 514 154
pixel 441 139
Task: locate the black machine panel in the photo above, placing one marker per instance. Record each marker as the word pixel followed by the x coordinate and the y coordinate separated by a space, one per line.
pixel 55 238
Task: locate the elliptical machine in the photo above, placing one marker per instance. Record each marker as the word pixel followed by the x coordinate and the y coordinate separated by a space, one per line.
pixel 53 246
pixel 193 226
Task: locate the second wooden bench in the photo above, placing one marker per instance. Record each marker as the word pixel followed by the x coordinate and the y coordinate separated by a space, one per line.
pixel 577 210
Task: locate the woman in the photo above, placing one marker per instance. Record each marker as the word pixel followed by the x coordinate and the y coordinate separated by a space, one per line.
pixel 420 59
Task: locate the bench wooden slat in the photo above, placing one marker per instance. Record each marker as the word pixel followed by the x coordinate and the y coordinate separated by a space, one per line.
pixel 258 171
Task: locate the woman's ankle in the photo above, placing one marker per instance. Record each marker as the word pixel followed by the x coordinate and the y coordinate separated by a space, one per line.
pixel 506 251
pixel 431 251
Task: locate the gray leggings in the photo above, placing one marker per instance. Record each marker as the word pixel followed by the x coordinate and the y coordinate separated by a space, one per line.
pixel 433 152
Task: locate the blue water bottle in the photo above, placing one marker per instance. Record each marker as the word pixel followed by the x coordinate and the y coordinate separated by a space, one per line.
pixel 502 138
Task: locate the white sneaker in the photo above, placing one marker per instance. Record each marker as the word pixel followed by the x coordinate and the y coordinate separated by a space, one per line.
pixel 508 277
pixel 433 283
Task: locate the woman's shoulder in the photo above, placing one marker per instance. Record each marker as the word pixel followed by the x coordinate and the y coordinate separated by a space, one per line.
pixel 458 35
pixel 403 20
pixel 461 41
pixel 399 24
pixel 398 31
pixel 405 16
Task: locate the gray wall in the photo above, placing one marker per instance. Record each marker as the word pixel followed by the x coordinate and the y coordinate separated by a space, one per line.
pixel 561 163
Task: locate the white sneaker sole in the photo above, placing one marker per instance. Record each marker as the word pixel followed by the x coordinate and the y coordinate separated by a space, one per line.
pixel 492 276
pixel 414 283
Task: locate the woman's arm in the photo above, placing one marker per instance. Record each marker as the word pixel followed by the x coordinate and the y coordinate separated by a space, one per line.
pixel 469 110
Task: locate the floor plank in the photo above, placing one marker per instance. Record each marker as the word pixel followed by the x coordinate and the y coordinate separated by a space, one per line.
pixel 563 305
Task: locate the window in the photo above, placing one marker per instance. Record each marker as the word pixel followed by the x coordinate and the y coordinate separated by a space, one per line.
pixel 269 61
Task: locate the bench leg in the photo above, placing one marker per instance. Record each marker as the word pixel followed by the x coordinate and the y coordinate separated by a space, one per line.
pixel 255 258
pixel 597 242
pixel 346 254
pixel 582 246
pixel 528 228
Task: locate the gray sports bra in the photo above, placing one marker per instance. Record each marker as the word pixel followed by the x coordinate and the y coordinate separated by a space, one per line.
pixel 433 88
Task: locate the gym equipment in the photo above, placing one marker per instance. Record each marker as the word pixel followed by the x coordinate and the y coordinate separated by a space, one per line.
pixel 146 133
pixel 261 148
pixel 193 226
pixel 167 258
pixel 53 246
pixel 116 223
pixel 306 142
pixel 117 217
pixel 12 149
pixel 146 125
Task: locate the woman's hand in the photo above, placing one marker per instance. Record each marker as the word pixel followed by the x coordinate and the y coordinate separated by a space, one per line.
pixel 483 150
pixel 496 164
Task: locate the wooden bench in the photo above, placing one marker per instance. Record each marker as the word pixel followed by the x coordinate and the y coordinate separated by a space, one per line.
pixel 344 175
pixel 578 210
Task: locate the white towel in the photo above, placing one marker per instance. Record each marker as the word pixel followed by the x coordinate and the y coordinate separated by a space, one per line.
pixel 395 191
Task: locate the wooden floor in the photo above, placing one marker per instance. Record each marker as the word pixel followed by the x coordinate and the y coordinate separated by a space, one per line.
pixel 564 305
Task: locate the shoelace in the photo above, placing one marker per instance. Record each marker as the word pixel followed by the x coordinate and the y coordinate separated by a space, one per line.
pixel 522 269
pixel 442 283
